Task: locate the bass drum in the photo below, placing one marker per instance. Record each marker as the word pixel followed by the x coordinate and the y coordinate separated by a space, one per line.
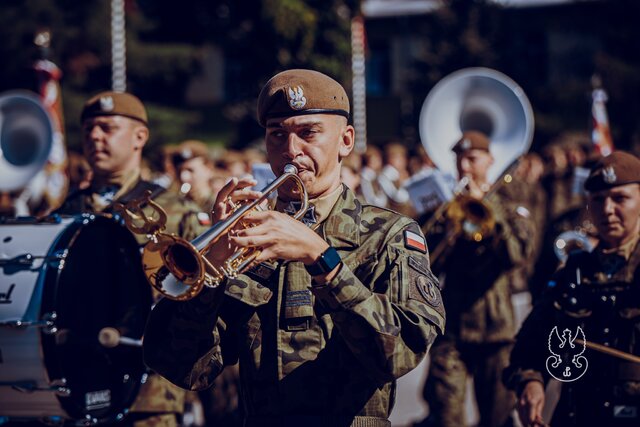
pixel 63 281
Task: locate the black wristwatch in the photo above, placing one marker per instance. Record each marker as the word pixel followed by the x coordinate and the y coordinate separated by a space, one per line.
pixel 325 263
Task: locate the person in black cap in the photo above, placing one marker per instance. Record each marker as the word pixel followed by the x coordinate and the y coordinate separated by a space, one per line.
pixel 339 304
pixel 595 297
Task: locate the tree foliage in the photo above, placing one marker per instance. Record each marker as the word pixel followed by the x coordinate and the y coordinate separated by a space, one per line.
pixel 165 44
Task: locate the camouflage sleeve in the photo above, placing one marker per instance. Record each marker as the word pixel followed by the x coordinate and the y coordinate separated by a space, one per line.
pixel 190 342
pixel 390 322
pixel 183 338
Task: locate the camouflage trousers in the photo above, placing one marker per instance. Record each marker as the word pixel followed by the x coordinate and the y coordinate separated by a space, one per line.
pixel 450 366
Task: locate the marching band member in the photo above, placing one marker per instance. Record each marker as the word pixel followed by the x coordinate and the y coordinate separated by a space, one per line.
pixel 593 297
pixel 476 288
pixel 338 307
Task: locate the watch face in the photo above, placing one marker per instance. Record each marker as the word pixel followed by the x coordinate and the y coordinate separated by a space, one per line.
pixel 327 262
pixel 330 259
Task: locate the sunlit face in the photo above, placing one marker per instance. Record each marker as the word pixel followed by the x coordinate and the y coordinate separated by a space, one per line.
pixel 113 144
pixel 198 174
pixel 616 213
pixel 474 164
pixel 315 144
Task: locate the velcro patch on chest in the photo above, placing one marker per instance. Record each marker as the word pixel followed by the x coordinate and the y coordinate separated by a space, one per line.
pixel 261 272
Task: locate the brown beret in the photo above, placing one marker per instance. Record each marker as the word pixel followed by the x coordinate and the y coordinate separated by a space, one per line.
pixel 114 104
pixel 471 140
pixel 300 92
pixel 618 168
pixel 188 150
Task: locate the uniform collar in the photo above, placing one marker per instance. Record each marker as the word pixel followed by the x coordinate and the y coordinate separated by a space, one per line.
pixel 625 250
pixel 319 208
pixel 123 181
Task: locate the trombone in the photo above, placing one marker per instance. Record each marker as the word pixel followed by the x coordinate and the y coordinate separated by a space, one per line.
pixel 479 99
pixel 180 269
pixel 466 216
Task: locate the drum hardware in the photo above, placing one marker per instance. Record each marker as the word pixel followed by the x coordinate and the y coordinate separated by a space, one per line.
pixel 179 269
pixel 25 261
pixel 48 323
pixel 57 386
pixel 58 318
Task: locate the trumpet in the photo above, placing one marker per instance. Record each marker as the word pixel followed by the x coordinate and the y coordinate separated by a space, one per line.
pixel 180 269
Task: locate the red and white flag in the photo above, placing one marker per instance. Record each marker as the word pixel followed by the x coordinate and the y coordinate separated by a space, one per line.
pixel 601 134
pixel 54 175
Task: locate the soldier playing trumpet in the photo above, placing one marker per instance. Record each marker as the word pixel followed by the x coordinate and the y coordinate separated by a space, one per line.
pixel 337 308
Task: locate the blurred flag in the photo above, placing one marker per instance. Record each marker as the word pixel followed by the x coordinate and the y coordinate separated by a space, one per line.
pixel 53 179
pixel 601 134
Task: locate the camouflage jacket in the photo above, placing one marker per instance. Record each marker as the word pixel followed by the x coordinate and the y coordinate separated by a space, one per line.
pixel 156 394
pixel 603 298
pixel 475 275
pixel 333 351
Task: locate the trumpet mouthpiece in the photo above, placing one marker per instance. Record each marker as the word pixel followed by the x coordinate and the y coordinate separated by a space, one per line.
pixel 289 168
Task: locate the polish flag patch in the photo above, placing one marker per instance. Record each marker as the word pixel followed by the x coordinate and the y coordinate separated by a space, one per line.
pixel 415 241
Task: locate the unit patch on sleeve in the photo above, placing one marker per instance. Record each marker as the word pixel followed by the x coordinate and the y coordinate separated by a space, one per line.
pixel 415 241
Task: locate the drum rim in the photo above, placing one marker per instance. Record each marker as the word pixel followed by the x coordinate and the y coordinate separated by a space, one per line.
pixel 51 357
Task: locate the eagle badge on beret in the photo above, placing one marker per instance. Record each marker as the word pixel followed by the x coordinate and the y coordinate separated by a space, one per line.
pixel 297 100
pixel 106 103
pixel 466 144
pixel 609 175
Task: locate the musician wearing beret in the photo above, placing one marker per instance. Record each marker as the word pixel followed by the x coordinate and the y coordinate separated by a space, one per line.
pixel 475 245
pixel 337 307
pixel 115 130
pixel 584 335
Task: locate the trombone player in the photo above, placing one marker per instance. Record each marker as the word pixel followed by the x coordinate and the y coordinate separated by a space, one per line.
pixel 337 307
pixel 475 284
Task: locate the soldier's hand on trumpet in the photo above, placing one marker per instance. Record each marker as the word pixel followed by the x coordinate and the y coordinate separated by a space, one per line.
pixel 474 189
pixel 234 191
pixel 281 238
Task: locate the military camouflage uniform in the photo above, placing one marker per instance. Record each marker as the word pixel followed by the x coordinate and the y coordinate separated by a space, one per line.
pixel 158 402
pixel 480 326
pixel 313 356
pixel 605 303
